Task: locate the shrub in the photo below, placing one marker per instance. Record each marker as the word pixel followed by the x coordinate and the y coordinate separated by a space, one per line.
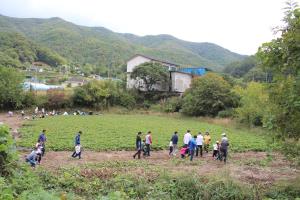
pixel 57 99
pixel 173 104
pixel 207 96
pixel 127 100
pixel 226 113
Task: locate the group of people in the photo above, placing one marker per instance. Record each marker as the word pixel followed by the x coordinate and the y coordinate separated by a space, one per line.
pixel 38 151
pixel 191 145
pixel 35 157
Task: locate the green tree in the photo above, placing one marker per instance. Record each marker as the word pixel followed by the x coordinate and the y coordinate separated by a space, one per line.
pixel 151 74
pixel 208 95
pixel 282 57
pixel 10 88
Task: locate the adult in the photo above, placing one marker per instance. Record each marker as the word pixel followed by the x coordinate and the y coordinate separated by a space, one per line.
pixel 31 158
pixel 77 151
pixel 224 147
pixel 148 142
pixel 199 142
pixel 192 146
pixel 207 140
pixel 187 137
pixel 42 140
pixel 174 140
pixel 138 145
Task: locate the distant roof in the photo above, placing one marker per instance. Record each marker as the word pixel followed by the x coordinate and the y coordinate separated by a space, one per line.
pixel 154 59
pixel 76 79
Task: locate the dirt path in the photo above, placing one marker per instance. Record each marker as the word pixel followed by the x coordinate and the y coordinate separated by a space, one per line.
pixel 14 123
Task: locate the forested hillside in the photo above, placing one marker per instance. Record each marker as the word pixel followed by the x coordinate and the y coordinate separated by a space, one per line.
pixel 17 51
pixel 100 48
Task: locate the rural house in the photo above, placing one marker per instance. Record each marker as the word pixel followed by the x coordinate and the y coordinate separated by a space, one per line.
pixel 180 78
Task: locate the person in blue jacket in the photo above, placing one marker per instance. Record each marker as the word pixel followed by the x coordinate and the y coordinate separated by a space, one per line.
pixel 77 151
pixel 42 140
pixel 138 145
pixel 174 140
pixel 192 146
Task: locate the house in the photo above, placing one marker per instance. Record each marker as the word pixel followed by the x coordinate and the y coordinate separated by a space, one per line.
pixel 74 82
pixel 180 78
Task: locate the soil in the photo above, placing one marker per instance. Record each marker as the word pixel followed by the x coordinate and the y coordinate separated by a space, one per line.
pixel 249 167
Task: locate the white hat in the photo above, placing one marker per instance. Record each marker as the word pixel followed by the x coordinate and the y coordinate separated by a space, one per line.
pixel 223 134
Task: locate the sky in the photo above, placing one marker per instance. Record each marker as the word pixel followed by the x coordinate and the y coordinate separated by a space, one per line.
pixel 238 25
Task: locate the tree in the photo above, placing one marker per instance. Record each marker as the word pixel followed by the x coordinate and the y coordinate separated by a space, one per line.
pixel 152 75
pixel 282 57
pixel 207 96
pixel 10 88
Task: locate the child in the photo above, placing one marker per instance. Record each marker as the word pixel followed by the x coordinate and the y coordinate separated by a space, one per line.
pixel 77 152
pixel 144 148
pixel 39 152
pixel 183 151
pixel 170 147
pixel 216 153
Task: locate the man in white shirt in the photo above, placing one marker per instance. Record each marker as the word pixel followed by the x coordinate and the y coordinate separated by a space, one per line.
pixel 187 137
pixel 199 142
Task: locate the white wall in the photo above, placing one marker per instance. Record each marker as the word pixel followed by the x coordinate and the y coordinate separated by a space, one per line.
pixel 131 64
pixel 180 81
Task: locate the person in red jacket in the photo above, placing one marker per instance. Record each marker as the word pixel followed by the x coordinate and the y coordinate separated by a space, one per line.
pixel 148 141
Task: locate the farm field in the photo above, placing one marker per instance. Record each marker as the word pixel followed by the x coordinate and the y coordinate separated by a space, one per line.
pixel 118 132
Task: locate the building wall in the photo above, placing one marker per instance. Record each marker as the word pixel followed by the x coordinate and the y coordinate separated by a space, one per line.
pixel 131 64
pixel 180 81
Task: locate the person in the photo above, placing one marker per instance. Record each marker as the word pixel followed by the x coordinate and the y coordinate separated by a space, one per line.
pixel 183 151
pixel 39 151
pixel 10 113
pixel 31 158
pixel 77 151
pixel 138 145
pixel 148 141
pixel 207 140
pixel 22 113
pixel 42 140
pixel 170 147
pixel 144 148
pixel 199 142
pixel 216 151
pixel 224 148
pixel 192 146
pixel 174 140
pixel 187 137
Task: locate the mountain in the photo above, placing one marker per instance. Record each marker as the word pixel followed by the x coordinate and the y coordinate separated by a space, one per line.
pixel 98 46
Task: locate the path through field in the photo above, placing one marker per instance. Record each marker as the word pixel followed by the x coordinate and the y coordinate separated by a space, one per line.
pixel 250 167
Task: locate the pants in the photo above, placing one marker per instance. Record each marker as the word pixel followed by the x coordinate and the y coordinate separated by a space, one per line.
pixel 39 158
pixel 147 149
pixel 43 149
pixel 32 162
pixel 192 151
pixel 171 150
pixel 74 155
pixel 197 150
pixel 182 155
pixel 174 149
pixel 223 155
pixel 206 147
pixel 138 153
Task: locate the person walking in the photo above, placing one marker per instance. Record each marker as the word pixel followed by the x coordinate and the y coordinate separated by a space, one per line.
pixel 138 145
pixel 187 137
pixel 42 140
pixel 207 140
pixel 174 140
pixel 192 146
pixel 199 142
pixel 224 147
pixel 77 151
pixel 148 141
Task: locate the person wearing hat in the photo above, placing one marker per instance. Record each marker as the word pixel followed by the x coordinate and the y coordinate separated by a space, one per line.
pixel 224 148
pixel 77 151
pixel 216 152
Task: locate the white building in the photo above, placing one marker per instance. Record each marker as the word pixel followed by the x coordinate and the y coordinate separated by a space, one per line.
pixel 180 81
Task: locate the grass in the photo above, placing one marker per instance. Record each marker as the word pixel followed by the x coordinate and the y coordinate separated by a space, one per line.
pixel 118 132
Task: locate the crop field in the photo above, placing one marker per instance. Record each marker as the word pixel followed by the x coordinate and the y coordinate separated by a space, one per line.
pixel 118 132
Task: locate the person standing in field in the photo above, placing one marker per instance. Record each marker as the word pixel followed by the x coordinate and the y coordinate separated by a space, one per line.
pixel 174 140
pixel 216 151
pixel 148 141
pixel 138 145
pixel 224 147
pixel 192 146
pixel 187 137
pixel 207 140
pixel 42 140
pixel 77 151
pixel 199 142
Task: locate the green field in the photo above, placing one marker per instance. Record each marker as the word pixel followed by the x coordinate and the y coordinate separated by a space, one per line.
pixel 118 132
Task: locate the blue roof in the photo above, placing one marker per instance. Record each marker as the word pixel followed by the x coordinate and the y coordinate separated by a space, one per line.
pixel 200 71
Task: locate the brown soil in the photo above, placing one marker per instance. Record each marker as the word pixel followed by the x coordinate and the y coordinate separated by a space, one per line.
pixel 14 123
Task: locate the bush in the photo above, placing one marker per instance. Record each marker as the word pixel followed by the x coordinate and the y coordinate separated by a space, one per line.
pixel 57 99
pixel 127 100
pixel 226 113
pixel 207 96
pixel 173 104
